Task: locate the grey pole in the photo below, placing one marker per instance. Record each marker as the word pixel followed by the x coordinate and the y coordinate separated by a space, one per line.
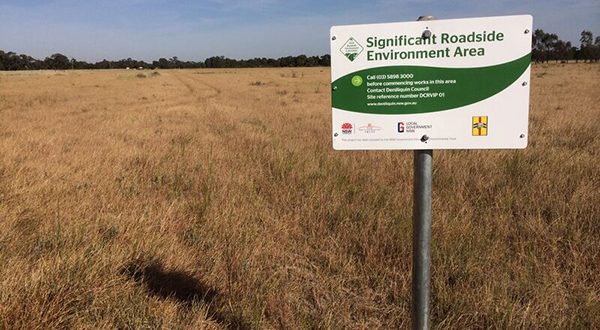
pixel 421 275
pixel 421 239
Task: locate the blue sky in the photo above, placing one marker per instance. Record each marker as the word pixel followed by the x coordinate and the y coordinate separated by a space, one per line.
pixel 193 30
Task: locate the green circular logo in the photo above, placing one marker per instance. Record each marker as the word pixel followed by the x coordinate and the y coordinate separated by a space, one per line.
pixel 357 81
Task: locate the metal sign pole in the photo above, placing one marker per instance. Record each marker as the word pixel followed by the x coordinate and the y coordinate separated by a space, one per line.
pixel 421 239
pixel 421 275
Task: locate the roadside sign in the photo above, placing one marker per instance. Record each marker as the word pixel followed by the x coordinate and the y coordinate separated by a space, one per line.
pixel 443 84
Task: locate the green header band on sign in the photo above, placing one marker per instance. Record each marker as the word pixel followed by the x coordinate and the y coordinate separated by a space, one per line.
pixel 392 90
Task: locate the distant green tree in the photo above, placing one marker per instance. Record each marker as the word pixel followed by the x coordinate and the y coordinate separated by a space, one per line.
pixel 325 60
pixel 587 46
pixel 215 62
pixel 550 40
pixel 568 53
pixel 102 65
pixel 174 63
pixel 12 61
pixel 576 54
pixel 29 63
pixel 596 49
pixel 3 58
pixel 538 52
pixel 57 62
pixel 162 63
pixel 560 50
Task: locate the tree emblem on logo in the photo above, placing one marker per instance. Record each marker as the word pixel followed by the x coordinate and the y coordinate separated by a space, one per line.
pixel 351 49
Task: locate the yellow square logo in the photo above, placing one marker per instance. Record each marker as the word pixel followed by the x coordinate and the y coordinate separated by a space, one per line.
pixel 480 126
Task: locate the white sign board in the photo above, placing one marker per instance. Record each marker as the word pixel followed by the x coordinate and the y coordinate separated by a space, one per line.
pixel 444 84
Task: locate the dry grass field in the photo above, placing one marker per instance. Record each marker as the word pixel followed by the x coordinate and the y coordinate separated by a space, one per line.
pixel 212 199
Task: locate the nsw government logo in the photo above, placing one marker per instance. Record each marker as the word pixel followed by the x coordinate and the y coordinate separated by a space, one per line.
pixel 351 49
pixel 347 128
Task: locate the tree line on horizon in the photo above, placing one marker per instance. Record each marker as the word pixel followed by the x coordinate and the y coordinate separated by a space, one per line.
pixel 545 47
pixel 10 61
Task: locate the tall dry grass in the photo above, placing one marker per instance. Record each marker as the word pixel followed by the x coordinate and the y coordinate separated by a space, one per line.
pixel 212 199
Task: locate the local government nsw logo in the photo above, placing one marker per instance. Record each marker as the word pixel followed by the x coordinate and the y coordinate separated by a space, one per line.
pixel 351 49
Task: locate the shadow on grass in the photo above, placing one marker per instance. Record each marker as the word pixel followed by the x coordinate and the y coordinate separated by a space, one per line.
pixel 181 286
